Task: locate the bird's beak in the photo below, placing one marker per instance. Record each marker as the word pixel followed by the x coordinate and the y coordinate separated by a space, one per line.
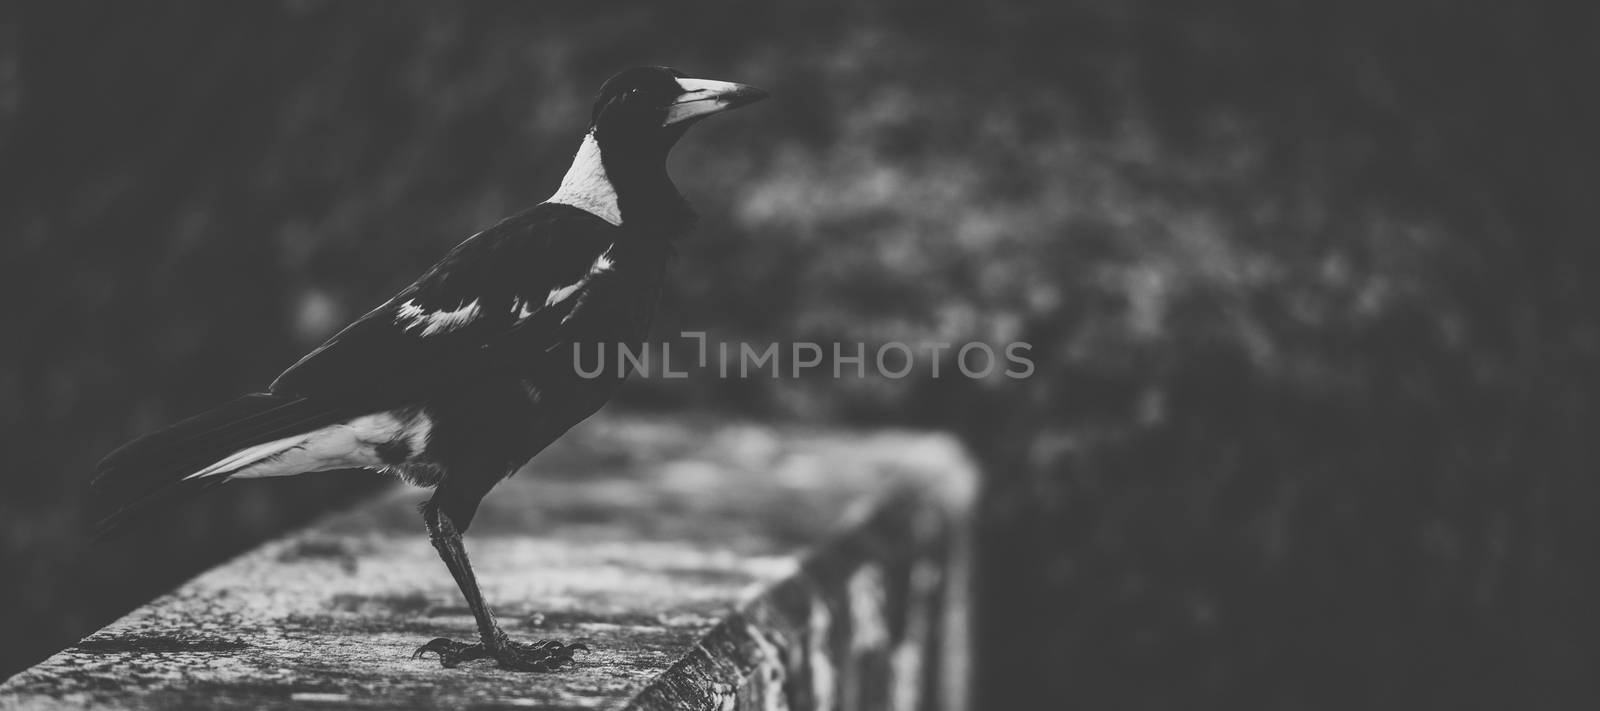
pixel 703 97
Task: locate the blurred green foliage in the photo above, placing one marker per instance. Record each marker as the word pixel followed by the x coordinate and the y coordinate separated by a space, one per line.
pixel 1309 288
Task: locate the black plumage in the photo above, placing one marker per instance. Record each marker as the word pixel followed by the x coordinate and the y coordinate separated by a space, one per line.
pixel 466 374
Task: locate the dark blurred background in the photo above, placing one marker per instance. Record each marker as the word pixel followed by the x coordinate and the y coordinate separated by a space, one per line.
pixel 1310 287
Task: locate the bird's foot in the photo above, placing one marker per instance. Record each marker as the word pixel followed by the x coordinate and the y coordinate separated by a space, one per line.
pixel 542 656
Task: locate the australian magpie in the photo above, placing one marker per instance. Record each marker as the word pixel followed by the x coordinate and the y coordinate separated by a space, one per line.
pixel 466 374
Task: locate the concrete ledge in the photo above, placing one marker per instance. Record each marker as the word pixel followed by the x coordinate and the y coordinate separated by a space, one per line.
pixel 710 565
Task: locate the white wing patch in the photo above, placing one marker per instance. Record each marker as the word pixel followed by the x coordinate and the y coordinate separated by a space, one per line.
pixel 587 187
pixel 561 292
pixel 412 316
pixel 345 445
pixel 601 265
pixel 521 308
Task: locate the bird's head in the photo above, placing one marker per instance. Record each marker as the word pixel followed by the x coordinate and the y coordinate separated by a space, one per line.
pixel 649 108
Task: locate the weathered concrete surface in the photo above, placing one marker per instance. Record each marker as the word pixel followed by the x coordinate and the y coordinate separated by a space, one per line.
pixel 708 564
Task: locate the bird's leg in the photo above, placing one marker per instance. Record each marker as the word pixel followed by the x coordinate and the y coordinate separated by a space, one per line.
pixel 545 655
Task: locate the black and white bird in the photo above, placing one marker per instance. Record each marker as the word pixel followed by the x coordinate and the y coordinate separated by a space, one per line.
pixel 467 373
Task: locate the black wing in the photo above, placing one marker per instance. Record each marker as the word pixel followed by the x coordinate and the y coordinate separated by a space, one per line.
pixel 504 289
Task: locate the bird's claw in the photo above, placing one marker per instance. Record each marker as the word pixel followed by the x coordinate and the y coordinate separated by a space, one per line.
pixel 542 656
pixel 451 652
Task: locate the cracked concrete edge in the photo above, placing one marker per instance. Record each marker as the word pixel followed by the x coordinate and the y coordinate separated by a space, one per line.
pixel 878 617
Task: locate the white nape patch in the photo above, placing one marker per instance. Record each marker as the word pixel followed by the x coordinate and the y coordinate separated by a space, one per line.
pixel 342 446
pixel 586 185
pixel 434 322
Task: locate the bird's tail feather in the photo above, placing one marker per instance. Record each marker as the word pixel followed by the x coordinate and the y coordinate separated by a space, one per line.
pixel 156 469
